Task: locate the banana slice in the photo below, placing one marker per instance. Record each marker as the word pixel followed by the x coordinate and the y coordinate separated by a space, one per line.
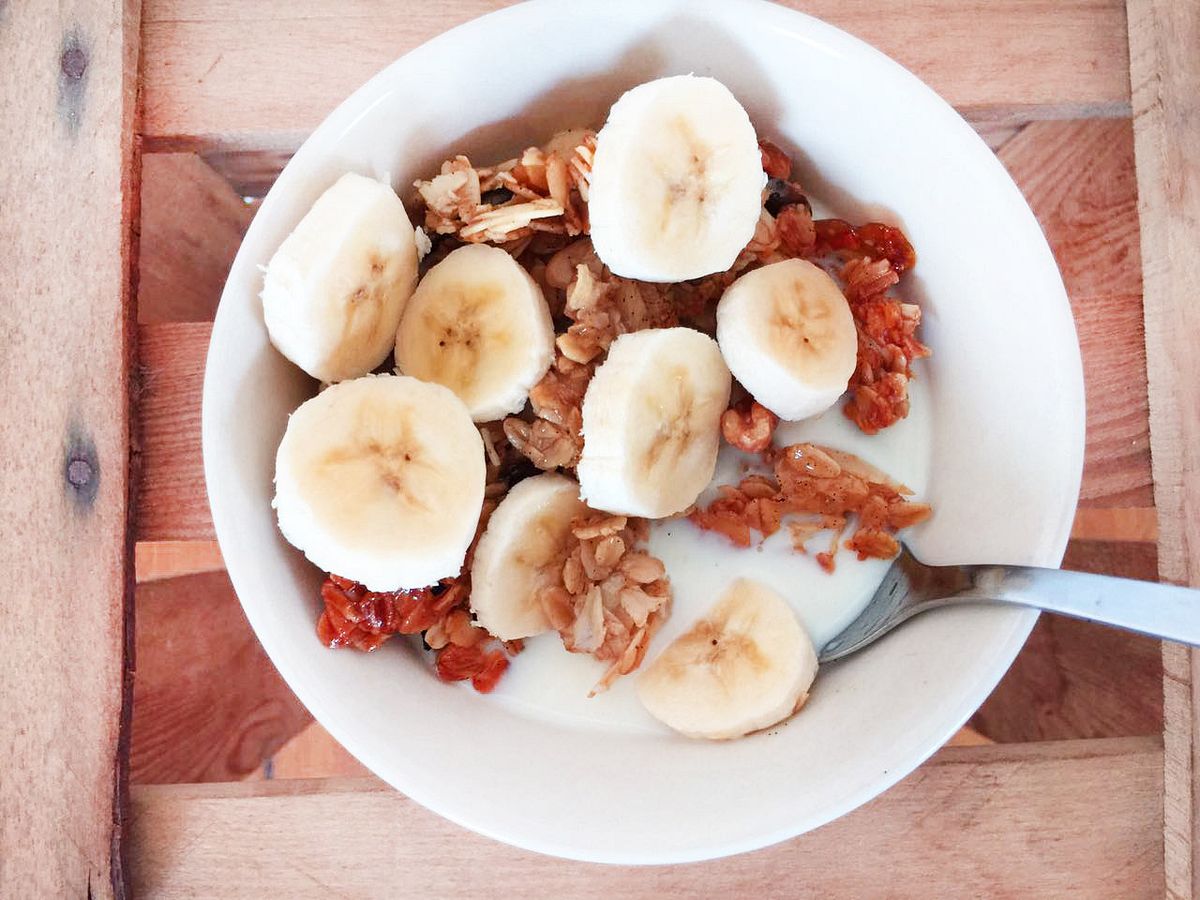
pixel 746 665
pixel 651 422
pixel 677 179
pixel 478 324
pixel 520 552
pixel 380 479
pixel 335 289
pixel 788 336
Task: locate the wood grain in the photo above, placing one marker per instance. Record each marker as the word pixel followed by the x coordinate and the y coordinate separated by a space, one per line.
pixel 172 503
pixel 67 113
pixel 1078 177
pixel 1076 679
pixel 974 821
pixel 1181 747
pixel 1005 58
pixel 208 704
pixel 1165 74
pixel 192 223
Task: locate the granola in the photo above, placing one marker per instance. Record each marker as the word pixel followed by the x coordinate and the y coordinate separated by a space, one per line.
pixel 611 597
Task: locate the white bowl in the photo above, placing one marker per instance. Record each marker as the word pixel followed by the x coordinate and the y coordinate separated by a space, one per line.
pixel 1008 416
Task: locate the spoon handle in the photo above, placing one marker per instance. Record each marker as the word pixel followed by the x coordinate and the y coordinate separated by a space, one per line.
pixel 1161 610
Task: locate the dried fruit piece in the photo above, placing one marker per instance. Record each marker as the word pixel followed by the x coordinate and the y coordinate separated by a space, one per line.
pixel 873 241
pixel 825 485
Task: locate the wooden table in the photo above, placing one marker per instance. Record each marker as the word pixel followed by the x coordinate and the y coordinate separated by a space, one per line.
pixel 137 137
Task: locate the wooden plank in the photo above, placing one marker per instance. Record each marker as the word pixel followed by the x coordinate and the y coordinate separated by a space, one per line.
pixel 208 704
pixel 1076 679
pixel 192 223
pixel 1103 524
pixel 1005 58
pixel 172 504
pixel 1165 74
pixel 1181 712
pixel 1078 177
pixel 67 113
pixel 972 822
pixel 156 560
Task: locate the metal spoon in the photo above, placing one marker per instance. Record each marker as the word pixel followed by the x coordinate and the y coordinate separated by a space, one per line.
pixel 911 588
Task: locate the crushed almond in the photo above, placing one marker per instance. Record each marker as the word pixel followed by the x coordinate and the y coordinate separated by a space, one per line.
pixel 512 200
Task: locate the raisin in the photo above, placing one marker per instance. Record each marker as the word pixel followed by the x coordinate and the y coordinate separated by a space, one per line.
pixel 497 196
pixel 781 193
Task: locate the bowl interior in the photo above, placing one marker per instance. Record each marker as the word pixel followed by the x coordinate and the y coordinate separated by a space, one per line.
pixel 1005 381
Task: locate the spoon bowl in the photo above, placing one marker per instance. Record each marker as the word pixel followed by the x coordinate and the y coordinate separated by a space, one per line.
pixel 910 588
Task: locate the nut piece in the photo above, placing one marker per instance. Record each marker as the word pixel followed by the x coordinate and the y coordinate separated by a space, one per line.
pixel 749 426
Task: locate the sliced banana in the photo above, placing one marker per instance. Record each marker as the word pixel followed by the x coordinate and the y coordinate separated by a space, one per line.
pixel 334 291
pixel 747 664
pixel 380 479
pixel 651 422
pixel 522 551
pixel 676 183
pixel 788 336
pixel 478 324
